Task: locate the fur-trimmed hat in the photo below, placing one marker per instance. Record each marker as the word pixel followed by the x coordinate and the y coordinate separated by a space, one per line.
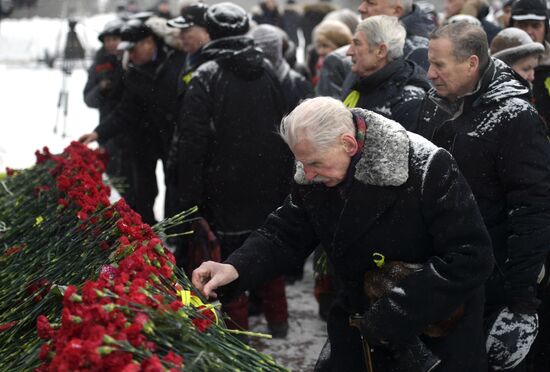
pixel 226 19
pixel 512 44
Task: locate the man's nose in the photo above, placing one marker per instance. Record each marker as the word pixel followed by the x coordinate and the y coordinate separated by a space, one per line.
pixel 310 175
pixel 431 75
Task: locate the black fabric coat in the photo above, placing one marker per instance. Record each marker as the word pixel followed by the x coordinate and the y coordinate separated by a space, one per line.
pixel 418 26
pixel 498 141
pixel 149 106
pixel 295 88
pixel 237 167
pixel 406 200
pixel 105 67
pixel 396 91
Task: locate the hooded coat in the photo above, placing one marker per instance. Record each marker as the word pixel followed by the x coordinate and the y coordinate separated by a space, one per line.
pixel 396 91
pixel 238 169
pixel 405 199
pixel 498 141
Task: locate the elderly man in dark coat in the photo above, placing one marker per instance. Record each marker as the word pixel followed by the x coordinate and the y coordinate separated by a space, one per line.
pixel 364 186
pixel 481 114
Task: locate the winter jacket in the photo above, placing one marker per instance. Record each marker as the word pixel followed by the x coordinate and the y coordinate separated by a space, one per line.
pixel 149 106
pixel 395 91
pixel 294 86
pixel 237 167
pixel 406 200
pixel 418 26
pixel 313 15
pixel 290 21
pixel 262 14
pixel 498 141
pixel 109 68
pixel 336 67
pixel 541 84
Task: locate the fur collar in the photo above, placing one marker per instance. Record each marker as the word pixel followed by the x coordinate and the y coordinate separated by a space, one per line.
pixel 385 157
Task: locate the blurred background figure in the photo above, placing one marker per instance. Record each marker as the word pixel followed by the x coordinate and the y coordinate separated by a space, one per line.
pixel 480 10
pixel 515 47
pixel 327 37
pixel 162 9
pixel 291 20
pixel 314 13
pixel 267 12
pixel 103 91
pixel 504 15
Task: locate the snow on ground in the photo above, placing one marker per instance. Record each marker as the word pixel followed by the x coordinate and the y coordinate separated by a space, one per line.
pixel 28 108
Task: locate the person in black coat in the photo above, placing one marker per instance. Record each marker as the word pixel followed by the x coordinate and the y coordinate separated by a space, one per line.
pixel 237 168
pixel 103 91
pixel 481 114
pixel 148 109
pixel 382 81
pixel 364 188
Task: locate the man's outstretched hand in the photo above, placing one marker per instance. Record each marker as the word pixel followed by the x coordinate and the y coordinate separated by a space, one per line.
pixel 88 138
pixel 210 275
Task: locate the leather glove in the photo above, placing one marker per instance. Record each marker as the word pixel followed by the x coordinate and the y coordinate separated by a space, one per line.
pixel 509 339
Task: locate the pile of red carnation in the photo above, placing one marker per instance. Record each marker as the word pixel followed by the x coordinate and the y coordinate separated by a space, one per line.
pixel 86 285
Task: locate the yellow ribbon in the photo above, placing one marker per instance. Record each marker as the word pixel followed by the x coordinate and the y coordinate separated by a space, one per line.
pixel 187 78
pixel 189 299
pixel 352 99
pixel 378 259
pixel 547 84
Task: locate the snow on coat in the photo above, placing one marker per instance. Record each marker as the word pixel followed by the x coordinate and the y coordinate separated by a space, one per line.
pixel 407 201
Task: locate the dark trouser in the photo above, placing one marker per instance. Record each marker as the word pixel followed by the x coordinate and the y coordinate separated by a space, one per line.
pixel 272 293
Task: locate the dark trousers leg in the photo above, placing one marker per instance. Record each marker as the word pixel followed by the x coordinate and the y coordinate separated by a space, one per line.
pixel 144 184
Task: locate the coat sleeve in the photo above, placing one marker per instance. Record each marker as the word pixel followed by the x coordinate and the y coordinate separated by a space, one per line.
pixel 126 116
pixel 524 168
pixel 332 75
pixel 283 243
pixel 461 261
pixel 407 111
pixel 92 92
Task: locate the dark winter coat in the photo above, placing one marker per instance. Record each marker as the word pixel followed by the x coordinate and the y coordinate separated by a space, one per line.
pixel 263 15
pixel 237 167
pixel 336 67
pixel 105 67
pixel 418 26
pixel 541 93
pixel 406 200
pixel 290 21
pixel 396 91
pixel 149 106
pixel 295 88
pixel 498 141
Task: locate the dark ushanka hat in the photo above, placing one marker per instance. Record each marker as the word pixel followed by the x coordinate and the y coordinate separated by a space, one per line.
pixel 226 19
pixel 512 44
pixel 133 31
pixel 112 28
pixel 191 15
pixel 529 10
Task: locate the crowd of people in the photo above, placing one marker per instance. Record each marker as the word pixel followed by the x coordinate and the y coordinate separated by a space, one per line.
pixel 410 151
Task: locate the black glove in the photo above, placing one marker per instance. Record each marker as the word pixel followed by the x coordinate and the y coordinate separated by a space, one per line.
pixel 509 339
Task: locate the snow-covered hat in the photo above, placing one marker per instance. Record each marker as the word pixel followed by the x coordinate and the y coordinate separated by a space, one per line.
pixel 529 10
pixel 191 15
pixel 226 19
pixel 112 28
pixel 133 31
pixel 512 44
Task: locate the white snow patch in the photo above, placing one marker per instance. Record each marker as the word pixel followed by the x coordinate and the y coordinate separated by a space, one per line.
pixel 506 112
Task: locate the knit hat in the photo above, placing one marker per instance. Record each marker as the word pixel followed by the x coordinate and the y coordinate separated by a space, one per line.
pixel 226 19
pixel 270 39
pixel 191 15
pixel 529 10
pixel 112 28
pixel 334 32
pixel 463 18
pixel 512 44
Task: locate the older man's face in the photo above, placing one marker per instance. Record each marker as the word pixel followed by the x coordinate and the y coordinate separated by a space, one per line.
pixel 450 78
pixel 325 166
pixel 369 8
pixel 364 58
pixel 535 29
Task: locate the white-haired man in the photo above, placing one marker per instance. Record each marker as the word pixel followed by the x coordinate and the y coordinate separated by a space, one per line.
pixel 364 188
pixel 417 24
pixel 383 81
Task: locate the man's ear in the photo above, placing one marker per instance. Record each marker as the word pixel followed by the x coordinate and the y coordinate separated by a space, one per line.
pixel 398 10
pixel 382 51
pixel 473 63
pixel 350 143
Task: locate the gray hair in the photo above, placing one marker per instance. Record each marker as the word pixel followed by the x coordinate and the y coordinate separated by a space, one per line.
pixel 387 30
pixel 321 120
pixel 467 40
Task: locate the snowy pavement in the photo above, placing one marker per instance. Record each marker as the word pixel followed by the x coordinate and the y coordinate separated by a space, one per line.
pixel 28 101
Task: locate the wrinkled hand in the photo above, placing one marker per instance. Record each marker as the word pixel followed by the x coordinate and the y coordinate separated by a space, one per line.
pixel 88 138
pixel 211 275
pixel 510 338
